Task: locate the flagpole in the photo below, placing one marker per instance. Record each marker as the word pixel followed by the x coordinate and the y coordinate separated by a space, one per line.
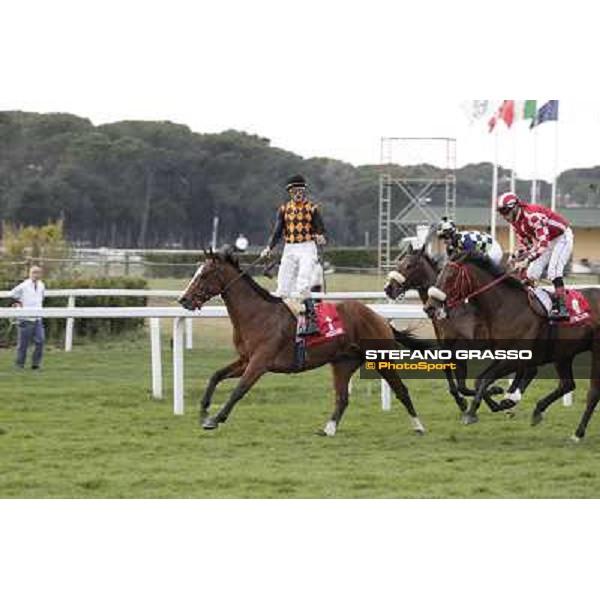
pixel 513 189
pixel 554 181
pixel 494 186
pixel 535 166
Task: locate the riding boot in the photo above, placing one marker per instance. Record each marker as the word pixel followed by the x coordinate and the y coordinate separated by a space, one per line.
pixel 310 318
pixel 559 310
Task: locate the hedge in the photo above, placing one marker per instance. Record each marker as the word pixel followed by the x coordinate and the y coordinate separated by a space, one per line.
pixel 182 265
pixel 84 328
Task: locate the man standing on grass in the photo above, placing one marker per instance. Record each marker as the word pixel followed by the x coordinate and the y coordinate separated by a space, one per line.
pixel 30 294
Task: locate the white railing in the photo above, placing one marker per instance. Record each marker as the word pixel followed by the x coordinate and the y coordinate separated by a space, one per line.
pixel 180 316
pixel 73 294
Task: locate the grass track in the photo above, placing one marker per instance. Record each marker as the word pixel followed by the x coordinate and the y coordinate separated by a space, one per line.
pixel 87 427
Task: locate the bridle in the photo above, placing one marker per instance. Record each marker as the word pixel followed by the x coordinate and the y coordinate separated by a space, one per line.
pixel 421 285
pixel 201 297
pixel 462 289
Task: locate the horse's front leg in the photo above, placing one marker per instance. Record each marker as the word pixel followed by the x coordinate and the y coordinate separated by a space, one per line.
pixel 342 372
pixel 454 391
pixel 252 373
pixel 493 372
pixel 234 369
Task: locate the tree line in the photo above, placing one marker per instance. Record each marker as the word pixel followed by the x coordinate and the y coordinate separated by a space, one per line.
pixel 155 184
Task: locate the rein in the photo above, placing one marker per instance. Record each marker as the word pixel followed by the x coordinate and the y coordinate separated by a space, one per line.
pixel 204 297
pixel 240 275
pixel 460 291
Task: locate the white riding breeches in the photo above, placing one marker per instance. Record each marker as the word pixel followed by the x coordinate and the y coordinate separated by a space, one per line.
pixel 555 257
pixel 296 271
pixel 495 253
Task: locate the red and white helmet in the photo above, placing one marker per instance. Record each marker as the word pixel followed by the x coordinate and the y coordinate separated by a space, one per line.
pixel 507 202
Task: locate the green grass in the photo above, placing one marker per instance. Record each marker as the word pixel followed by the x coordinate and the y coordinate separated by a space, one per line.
pixel 87 427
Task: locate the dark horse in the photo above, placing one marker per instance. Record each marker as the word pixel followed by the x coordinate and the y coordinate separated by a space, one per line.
pixel 415 269
pixel 510 313
pixel 264 333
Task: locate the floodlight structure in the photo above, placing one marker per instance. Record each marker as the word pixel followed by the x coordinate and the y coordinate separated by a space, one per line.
pixel 405 192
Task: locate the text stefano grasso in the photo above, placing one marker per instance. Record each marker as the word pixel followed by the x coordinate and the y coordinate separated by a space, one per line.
pixel 448 354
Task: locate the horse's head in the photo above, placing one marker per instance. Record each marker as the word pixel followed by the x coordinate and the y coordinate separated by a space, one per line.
pixel 211 278
pixel 414 270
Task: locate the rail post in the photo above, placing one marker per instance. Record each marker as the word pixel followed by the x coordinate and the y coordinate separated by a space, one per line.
pixel 178 401
pixel 386 396
pixel 69 326
pixel 189 334
pixel 157 387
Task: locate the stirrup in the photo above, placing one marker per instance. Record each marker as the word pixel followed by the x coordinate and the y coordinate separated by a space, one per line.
pixel 310 329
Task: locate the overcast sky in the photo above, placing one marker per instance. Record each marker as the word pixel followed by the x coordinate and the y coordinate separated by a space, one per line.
pixel 317 78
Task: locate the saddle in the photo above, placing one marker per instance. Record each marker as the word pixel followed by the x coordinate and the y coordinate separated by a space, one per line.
pixel 577 306
pixel 330 326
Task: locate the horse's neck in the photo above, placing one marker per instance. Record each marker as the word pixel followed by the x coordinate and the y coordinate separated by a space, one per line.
pixel 245 304
pixel 431 278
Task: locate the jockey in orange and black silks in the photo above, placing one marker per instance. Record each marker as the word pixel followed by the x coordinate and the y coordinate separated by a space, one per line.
pixel 300 225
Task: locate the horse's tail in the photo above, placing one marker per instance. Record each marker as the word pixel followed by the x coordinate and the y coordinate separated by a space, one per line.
pixel 407 338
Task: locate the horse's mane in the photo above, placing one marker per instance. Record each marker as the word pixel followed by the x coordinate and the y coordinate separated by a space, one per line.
pixel 434 261
pixel 228 256
pixel 483 261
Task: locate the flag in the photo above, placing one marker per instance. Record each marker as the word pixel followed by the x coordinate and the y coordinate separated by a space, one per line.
pixel 507 112
pixel 475 110
pixel 529 109
pixel 547 112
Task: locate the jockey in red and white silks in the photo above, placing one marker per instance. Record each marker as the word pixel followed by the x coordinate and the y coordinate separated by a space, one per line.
pixel 545 240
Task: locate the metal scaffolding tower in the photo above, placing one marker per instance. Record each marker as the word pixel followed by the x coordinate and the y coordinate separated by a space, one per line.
pixel 405 193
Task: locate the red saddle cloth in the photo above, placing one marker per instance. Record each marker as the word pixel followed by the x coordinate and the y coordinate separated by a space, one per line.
pixel 329 323
pixel 577 306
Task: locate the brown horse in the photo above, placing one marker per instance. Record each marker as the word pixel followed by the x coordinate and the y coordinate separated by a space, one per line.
pixel 415 269
pixel 264 334
pixel 510 314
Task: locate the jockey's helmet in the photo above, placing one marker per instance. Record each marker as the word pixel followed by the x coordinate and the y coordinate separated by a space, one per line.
pixel 508 204
pixel 446 228
pixel 295 181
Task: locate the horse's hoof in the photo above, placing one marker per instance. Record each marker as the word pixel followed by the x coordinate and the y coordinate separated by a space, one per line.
pixel 330 429
pixel 575 439
pixel 468 419
pixel 209 423
pixel 419 432
pixel 494 390
pixel 536 418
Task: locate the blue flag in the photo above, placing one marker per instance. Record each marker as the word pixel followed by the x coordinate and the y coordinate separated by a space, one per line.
pixel 546 112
